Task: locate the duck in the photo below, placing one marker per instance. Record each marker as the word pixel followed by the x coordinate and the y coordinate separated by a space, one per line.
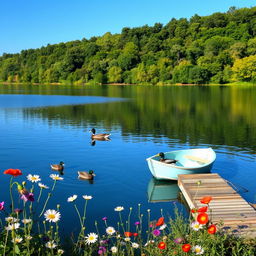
pixel 166 161
pixel 100 136
pixel 58 167
pixel 86 175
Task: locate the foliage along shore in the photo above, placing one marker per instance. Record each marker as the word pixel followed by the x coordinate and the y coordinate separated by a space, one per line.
pixel 215 49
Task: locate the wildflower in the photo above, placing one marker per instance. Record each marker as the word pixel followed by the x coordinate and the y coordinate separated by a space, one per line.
pixel 113 249
pixel 1 206
pixel 26 221
pixel 162 227
pixel 11 219
pixel 104 241
pixel 72 198
pixel 196 225
pixel 156 232
pixel 127 239
pixel 51 244
pixel 212 229
pixel 17 240
pixel 52 216
pixel 13 172
pixel 17 210
pixel 198 250
pixel 137 223
pixel 135 234
pixel 101 250
pixel 202 218
pixel 41 185
pixel 56 177
pixel 161 245
pixel 104 218
pixel 28 237
pixel 128 234
pixel 26 196
pixel 33 178
pixel 178 240
pixel 202 209
pixel 119 208
pixel 60 251
pixel 110 230
pixel 149 242
pixel 186 247
pixel 160 222
pixel 91 238
pixel 206 200
pixel 87 197
pixel 135 245
pixel 12 226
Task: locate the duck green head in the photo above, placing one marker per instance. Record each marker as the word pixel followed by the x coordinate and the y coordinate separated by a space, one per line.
pixel 161 154
pixel 93 131
pixel 62 163
pixel 92 173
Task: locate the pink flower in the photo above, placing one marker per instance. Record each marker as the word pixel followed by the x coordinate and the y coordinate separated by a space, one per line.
pixel 1 206
pixel 28 197
pixel 156 232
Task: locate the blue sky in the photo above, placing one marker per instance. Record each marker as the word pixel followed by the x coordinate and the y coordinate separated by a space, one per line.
pixel 29 24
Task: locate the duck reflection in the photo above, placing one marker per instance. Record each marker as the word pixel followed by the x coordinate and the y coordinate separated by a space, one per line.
pixel 93 141
pixel 162 190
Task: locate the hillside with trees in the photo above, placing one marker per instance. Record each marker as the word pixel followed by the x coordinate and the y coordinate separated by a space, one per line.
pixel 220 48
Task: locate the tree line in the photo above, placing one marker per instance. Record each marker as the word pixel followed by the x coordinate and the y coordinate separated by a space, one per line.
pixel 219 48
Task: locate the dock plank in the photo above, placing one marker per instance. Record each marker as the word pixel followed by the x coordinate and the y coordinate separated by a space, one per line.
pixel 227 206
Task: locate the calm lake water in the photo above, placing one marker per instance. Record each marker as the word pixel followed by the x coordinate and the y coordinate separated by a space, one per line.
pixel 40 125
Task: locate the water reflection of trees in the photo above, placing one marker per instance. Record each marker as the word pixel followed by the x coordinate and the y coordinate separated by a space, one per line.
pixel 211 115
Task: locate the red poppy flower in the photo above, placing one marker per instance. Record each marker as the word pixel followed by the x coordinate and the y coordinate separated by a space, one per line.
pixel 135 234
pixel 160 221
pixel 212 229
pixel 186 247
pixel 202 218
pixel 161 245
pixel 13 172
pixel 203 209
pixel 128 234
pixel 206 200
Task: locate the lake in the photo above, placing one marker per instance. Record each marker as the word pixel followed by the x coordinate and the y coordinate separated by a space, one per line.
pixel 42 124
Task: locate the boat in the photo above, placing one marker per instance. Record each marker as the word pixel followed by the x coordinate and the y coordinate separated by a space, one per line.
pixel 162 190
pixel 188 161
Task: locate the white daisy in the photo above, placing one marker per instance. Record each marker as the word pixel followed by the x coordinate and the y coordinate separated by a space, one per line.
pixel 87 197
pixel 195 225
pixel 127 239
pixel 135 245
pixel 56 177
pixel 113 249
pixel 91 238
pixel 12 226
pixel 119 208
pixel 11 219
pixel 72 198
pixel 162 227
pixel 41 185
pixel 33 178
pixel 51 244
pixel 52 216
pixel 110 230
pixel 60 251
pixel 17 240
pixel 26 221
pixel 197 249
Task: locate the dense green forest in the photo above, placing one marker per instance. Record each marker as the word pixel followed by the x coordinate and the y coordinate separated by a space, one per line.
pixel 220 48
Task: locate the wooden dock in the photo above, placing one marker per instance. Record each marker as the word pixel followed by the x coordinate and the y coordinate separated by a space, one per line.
pixel 226 207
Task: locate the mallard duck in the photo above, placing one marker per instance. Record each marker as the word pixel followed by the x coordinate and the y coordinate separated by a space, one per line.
pixel 58 167
pixel 86 175
pixel 100 136
pixel 166 161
